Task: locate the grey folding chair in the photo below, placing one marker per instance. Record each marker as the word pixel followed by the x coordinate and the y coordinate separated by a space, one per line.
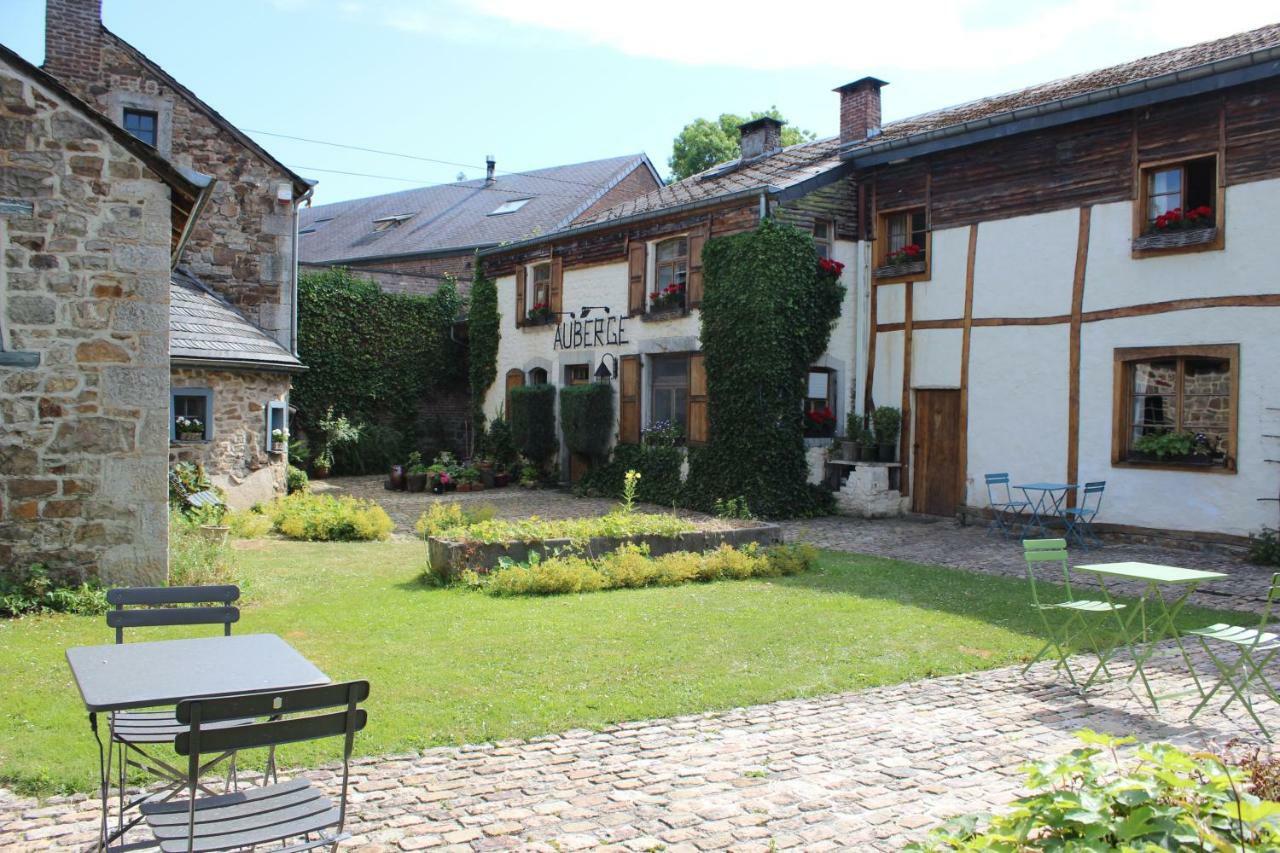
pixel 1005 511
pixel 296 809
pixel 133 732
pixel 1079 519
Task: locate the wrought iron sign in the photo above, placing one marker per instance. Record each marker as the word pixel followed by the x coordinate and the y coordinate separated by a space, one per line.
pixel 582 331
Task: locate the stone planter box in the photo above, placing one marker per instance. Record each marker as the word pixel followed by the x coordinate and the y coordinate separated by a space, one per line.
pixel 664 314
pixel 895 270
pixel 1175 239
pixel 449 558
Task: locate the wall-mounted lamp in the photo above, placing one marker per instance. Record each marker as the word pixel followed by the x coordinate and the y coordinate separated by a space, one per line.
pixel 603 373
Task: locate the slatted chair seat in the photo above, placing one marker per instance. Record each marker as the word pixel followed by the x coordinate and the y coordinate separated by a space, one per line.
pixel 1087 605
pixel 1251 637
pixel 155 726
pixel 248 817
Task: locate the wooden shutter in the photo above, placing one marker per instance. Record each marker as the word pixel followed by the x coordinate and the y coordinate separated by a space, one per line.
pixel 629 399
pixel 636 262
pixel 515 379
pixel 696 416
pixel 697 240
pixel 520 301
pixel 555 290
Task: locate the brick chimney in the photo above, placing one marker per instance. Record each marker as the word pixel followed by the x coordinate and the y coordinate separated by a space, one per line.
pixel 860 109
pixel 759 137
pixel 73 39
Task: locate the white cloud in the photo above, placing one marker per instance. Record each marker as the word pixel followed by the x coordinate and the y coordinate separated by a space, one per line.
pixel 930 35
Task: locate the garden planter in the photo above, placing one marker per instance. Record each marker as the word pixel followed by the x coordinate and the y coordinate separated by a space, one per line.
pixel 397 477
pixel 887 452
pixel 1175 239
pixel 501 480
pixel 661 314
pixel 416 482
pixel 451 486
pixel 867 453
pixel 190 436
pixel 319 472
pixel 896 270
pixel 215 532
pixel 487 477
pixel 1192 459
pixel 464 487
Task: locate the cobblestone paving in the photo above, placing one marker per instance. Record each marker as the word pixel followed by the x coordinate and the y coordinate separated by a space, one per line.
pixel 865 770
pixel 921 539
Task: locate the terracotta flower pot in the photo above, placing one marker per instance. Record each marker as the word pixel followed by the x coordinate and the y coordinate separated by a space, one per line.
pixel 397 477
pixel 416 482
pixel 319 472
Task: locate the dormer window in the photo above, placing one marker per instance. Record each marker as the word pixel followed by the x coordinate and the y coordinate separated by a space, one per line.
pixel 143 124
pixel 510 206
pixel 384 223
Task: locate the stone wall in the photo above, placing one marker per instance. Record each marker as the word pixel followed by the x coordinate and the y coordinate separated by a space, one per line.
pixel 242 245
pixel 84 284
pixel 236 457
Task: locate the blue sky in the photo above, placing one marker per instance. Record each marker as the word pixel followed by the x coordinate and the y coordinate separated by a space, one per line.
pixel 560 81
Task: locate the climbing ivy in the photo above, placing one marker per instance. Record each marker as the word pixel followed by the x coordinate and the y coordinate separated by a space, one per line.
pixel 767 315
pixel 483 324
pixel 586 418
pixel 533 422
pixel 372 356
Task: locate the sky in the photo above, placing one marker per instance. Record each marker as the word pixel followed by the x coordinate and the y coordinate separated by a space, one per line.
pixel 550 82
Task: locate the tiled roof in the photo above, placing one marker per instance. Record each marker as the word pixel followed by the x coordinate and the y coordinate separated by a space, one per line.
pixel 1179 59
pixel 788 167
pixel 202 325
pixel 458 215
pixel 801 162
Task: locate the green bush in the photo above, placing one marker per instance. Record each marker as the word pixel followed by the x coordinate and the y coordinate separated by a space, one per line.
pixel 34 590
pixel 767 315
pixel 533 422
pixel 497 444
pixel 375 449
pixel 659 469
pixel 631 567
pixel 196 558
pixel 188 478
pixel 578 530
pixel 1091 799
pixel 888 424
pixel 586 418
pixel 484 331
pixel 325 518
pixel 296 480
pixel 248 523
pixel 448 515
pixel 1264 549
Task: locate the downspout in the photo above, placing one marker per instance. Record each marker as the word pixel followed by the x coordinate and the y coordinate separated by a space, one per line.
pixel 293 284
pixel 862 337
pixel 764 205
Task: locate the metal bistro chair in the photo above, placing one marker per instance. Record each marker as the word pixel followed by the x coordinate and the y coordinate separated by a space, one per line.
pixel 134 731
pixel 1256 648
pixel 271 813
pixel 1079 519
pixel 1005 511
pixel 1078 611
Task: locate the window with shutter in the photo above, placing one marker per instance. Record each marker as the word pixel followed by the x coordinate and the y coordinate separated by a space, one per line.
pixel 555 294
pixel 697 241
pixel 636 260
pixel 699 431
pixel 629 399
pixel 521 310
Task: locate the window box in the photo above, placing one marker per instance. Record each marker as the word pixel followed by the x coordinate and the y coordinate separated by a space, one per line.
pixel 902 245
pixel 662 315
pixel 902 269
pixel 539 318
pixel 191 415
pixel 1158 240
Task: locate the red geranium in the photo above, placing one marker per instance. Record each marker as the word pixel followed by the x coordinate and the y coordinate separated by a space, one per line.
pixel 830 267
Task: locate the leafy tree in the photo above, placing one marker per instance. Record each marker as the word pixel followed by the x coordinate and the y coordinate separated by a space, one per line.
pixel 705 142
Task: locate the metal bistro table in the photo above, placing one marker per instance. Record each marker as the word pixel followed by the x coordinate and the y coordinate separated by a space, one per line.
pixel 1140 634
pixel 1050 497
pixel 131 676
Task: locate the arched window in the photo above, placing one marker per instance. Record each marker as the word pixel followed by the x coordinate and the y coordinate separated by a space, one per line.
pixel 538 376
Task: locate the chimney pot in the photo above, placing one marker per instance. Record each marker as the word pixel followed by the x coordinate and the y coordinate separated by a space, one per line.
pixel 490 165
pixel 860 110
pixel 759 137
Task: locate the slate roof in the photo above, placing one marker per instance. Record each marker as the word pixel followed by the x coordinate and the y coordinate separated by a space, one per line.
pixel 204 326
pixel 798 163
pixel 458 216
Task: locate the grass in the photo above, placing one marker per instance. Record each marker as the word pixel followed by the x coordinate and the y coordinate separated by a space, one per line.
pixel 450 666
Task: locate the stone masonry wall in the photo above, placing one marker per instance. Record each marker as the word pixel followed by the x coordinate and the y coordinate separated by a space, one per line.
pixel 236 457
pixel 85 284
pixel 242 244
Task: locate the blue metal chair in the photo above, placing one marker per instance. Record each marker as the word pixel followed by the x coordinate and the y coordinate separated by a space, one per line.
pixel 1079 519
pixel 1005 511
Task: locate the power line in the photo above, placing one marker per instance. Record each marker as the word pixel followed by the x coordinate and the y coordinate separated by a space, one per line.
pixel 416 157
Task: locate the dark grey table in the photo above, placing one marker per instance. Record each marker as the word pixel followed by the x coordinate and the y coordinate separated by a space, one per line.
pixel 130 676
pixel 125 676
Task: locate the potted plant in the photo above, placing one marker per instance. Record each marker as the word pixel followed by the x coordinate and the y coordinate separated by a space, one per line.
pixel 337 431
pixel 415 473
pixel 395 480
pixel 1179 227
pixel 189 429
pixel 210 517
pixel 1174 446
pixel 888 423
pixel 853 437
pixel 669 299
pixel 501 479
pixel 441 480
pixel 540 314
pixel 820 423
pixel 909 259
pixel 279 440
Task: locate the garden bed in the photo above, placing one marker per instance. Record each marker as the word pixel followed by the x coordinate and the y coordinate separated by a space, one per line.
pixel 450 555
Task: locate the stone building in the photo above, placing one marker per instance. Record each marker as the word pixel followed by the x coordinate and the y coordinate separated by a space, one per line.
pixel 91 222
pixel 239 264
pixel 409 241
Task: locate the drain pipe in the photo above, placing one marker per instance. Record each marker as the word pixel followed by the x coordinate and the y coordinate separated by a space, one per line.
pixel 293 284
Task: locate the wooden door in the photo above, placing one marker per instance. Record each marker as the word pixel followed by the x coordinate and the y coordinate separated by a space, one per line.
pixel 577 374
pixel 935 482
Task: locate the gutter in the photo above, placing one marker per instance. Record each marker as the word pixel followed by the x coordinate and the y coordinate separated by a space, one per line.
pixel 236 364
pixel 1223 73
pixel 699 204
pixel 404 256
pixel 204 190
pixel 293 285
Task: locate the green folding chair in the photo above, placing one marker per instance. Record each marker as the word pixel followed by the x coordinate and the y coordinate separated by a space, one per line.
pixel 1077 611
pixel 1256 647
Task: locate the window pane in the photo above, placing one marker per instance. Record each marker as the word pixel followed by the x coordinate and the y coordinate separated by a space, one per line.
pixel 817 384
pixel 1206 404
pixel 542 272
pixel 899 231
pixel 1166 181
pixel 820 230
pixel 672 249
pixel 664 276
pixel 824 251
pixel 671 371
pixel 681 272
pixel 1155 377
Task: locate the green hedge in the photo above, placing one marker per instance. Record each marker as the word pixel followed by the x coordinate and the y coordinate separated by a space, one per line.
pixel 372 356
pixel 483 334
pixel 659 469
pixel 533 421
pixel 586 418
pixel 767 315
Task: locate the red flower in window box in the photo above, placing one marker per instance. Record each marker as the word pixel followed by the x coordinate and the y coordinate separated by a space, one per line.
pixel 1177 219
pixel 820 421
pixel 670 298
pixel 907 254
pixel 539 313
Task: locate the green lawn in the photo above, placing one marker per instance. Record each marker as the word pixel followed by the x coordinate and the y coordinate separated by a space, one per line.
pixel 450 666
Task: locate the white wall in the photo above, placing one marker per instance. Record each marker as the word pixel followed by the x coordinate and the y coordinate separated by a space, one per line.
pixel 942 297
pixel 1025 266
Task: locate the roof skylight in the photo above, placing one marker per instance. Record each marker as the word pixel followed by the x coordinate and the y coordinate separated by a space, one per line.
pixel 510 206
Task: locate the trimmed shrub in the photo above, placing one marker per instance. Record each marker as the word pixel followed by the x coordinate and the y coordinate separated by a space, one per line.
pixel 325 518
pixel 578 530
pixel 533 422
pixel 248 523
pixel 448 515
pixel 631 567
pixel 659 469
pixel 296 480
pixel 483 334
pixel 586 418
pixel 34 590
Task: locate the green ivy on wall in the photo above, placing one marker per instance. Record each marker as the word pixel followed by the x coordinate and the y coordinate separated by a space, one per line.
pixel 483 335
pixel 586 418
pixel 372 356
pixel 533 422
pixel 767 315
